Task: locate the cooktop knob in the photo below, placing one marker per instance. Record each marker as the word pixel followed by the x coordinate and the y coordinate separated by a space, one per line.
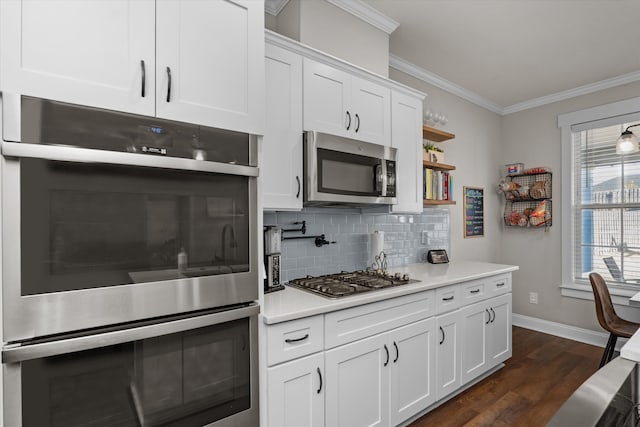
pixel 397 276
pixel 405 277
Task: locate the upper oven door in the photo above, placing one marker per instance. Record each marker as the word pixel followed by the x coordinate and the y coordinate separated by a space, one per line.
pixel 95 237
pixel 342 170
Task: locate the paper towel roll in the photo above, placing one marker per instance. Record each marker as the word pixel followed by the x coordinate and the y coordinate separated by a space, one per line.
pixel 376 245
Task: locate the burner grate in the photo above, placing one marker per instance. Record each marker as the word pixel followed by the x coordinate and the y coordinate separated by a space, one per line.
pixel 349 283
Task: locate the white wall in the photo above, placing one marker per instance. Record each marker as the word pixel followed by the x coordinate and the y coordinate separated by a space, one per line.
pixel 533 137
pixel 328 28
pixel 476 153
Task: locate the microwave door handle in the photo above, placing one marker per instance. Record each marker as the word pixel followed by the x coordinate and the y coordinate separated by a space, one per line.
pixel 383 167
pixel 20 353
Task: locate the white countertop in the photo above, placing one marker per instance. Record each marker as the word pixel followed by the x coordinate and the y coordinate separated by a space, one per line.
pixel 631 349
pixel 292 303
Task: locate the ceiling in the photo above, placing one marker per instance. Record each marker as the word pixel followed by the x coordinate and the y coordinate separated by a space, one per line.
pixel 513 54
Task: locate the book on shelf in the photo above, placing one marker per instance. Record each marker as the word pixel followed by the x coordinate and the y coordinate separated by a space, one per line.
pixel 436 185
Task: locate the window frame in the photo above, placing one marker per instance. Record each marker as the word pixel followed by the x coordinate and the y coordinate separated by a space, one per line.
pixel 569 286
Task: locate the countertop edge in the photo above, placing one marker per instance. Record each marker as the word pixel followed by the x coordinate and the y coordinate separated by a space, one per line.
pixel 326 305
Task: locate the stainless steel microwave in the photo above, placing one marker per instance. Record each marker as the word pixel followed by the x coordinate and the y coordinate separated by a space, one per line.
pixel 342 171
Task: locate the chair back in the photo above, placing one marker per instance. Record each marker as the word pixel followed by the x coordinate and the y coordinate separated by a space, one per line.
pixel 604 307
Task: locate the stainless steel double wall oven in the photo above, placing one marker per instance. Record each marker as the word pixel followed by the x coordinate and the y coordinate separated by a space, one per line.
pixel 129 269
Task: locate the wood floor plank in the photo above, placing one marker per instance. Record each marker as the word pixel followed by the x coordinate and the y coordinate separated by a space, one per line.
pixel 543 372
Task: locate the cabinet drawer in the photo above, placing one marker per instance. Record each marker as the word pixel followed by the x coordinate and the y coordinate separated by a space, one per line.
pixel 297 338
pixel 474 291
pixel 355 323
pixel 498 285
pixel 448 298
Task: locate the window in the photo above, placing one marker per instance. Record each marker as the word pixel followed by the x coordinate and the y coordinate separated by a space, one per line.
pixel 606 208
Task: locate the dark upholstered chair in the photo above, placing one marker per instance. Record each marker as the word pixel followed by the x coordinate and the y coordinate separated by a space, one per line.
pixel 608 318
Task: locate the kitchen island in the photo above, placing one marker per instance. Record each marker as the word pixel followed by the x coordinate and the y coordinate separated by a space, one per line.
pixel 386 356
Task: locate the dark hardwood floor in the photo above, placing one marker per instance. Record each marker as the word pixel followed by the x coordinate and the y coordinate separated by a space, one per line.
pixel 543 372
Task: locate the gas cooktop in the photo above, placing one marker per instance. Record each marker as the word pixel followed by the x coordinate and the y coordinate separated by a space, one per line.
pixel 350 283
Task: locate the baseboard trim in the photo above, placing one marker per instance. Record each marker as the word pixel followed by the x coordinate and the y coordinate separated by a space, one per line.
pixel 574 333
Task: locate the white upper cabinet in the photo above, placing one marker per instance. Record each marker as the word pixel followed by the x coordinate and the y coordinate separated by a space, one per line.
pixel 371 105
pixel 93 52
pixel 121 55
pixel 341 104
pixel 406 134
pixel 210 63
pixel 281 169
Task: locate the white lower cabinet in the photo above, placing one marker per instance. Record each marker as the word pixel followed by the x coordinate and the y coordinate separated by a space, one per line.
pixel 358 383
pixel 486 335
pixel 382 363
pixel 499 331
pixel 382 380
pixel 413 369
pixel 448 354
pixel 295 393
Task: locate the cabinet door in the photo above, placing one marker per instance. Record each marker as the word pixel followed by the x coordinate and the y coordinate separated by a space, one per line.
pixel 371 109
pixel 358 383
pixel 212 54
pixel 295 393
pixel 448 353
pixel 407 138
pixel 413 363
pixel 327 93
pixel 474 324
pixel 281 170
pixel 82 52
pixel 499 340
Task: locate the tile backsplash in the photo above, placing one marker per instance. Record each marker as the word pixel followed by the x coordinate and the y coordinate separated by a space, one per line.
pixel 350 229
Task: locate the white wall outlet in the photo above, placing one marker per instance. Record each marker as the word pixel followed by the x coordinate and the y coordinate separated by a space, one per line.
pixel 533 297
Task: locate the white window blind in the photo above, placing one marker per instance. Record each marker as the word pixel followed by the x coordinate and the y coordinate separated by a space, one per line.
pixel 606 208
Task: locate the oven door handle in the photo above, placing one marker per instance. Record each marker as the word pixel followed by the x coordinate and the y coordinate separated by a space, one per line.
pixel 20 353
pixel 88 155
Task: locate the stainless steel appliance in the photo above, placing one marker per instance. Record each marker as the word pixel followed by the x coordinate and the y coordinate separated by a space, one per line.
pixel 129 269
pixel 609 398
pixel 272 258
pixel 342 171
pixel 101 208
pixel 183 371
pixel 350 283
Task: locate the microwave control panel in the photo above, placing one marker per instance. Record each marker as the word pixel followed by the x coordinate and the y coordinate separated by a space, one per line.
pixel 391 178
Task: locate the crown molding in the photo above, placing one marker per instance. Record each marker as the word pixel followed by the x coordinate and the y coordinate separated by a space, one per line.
pixel 274 7
pixel 368 14
pixel 444 84
pixel 572 93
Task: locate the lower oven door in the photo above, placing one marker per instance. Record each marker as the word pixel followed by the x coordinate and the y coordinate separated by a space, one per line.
pixel 187 371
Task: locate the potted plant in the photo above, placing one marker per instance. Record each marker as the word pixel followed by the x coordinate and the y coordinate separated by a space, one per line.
pixel 432 153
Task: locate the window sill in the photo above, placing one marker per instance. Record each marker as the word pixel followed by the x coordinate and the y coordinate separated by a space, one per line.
pixel 618 296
